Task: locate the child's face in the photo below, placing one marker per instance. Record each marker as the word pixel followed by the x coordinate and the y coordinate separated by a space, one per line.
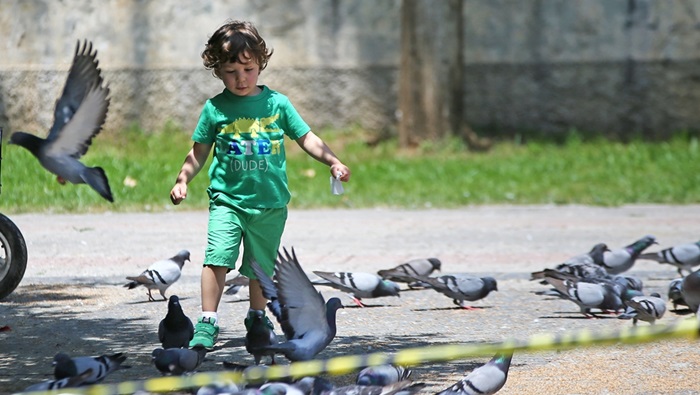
pixel 241 78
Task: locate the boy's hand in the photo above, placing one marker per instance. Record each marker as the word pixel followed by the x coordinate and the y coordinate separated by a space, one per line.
pixel 178 193
pixel 341 172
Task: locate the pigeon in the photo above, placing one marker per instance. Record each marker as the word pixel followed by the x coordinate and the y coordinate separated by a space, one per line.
pixel 65 366
pixel 219 388
pixel 260 335
pixel 484 380
pixel 236 284
pixel 588 265
pixel 675 293
pixel 176 329
pixel 683 256
pixel 382 375
pixel 78 117
pixel 302 386
pixel 308 322
pixel 160 275
pixel 620 260
pixel 322 386
pixel 178 361
pixel 645 308
pixel 67 382
pixel 359 285
pixel 690 289
pixel 587 294
pixel 462 287
pixel 417 267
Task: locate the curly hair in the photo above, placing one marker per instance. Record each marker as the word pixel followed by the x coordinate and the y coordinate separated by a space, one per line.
pixel 229 44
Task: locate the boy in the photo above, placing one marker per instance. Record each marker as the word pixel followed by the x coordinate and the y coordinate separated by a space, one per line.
pixel 245 124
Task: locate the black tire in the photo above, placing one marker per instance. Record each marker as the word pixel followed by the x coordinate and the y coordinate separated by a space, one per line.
pixel 13 256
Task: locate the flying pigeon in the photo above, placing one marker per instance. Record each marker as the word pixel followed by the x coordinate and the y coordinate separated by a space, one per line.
pixel 176 329
pixel 160 275
pixel 359 285
pixel 178 361
pixel 462 287
pixel 683 256
pixel 65 366
pixel 67 382
pixel 587 294
pixel 620 260
pixel 236 284
pixel 645 308
pixel 484 380
pixel 675 293
pixel 588 265
pixel 308 322
pixel 690 289
pixel 405 272
pixel 78 117
pixel 382 375
pixel 260 335
pixel 322 386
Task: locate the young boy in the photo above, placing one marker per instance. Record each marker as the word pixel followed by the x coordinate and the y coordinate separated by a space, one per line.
pixel 245 124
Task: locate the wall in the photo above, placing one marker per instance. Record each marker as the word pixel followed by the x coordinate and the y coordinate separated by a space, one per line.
pixel 614 66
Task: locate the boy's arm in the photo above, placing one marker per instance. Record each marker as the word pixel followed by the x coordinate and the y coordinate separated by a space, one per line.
pixel 194 161
pixel 317 149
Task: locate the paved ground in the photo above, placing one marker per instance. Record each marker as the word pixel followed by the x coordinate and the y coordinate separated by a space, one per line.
pixel 72 299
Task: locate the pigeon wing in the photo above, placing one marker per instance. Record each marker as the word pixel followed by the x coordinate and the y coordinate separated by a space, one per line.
pixel 82 108
pixel 303 307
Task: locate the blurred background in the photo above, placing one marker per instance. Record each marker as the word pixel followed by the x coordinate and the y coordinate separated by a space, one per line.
pixel 418 68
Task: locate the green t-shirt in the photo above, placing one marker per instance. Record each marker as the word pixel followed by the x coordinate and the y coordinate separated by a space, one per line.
pixel 249 165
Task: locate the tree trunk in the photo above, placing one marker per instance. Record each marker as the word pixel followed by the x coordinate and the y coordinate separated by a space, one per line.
pixel 430 74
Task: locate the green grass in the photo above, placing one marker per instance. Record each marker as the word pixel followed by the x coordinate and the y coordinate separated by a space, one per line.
pixel 442 174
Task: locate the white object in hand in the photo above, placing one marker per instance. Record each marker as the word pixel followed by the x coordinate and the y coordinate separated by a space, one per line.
pixel 337 185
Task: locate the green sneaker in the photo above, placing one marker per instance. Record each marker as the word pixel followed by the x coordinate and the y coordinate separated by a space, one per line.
pixel 205 333
pixel 248 321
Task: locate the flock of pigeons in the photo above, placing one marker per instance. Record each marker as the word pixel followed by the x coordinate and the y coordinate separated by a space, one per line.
pixel 594 281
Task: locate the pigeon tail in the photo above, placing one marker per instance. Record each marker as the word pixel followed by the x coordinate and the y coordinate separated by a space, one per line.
pixel 97 179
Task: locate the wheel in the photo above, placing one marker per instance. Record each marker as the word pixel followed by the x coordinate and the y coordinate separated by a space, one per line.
pixel 13 256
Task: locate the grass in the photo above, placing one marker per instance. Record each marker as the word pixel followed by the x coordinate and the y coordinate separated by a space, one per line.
pixel 142 169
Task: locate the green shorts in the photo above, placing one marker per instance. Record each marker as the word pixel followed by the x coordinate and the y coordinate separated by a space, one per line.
pixel 259 230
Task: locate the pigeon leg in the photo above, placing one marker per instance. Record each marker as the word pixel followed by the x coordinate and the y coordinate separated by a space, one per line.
pixel 357 301
pixel 60 180
pixel 467 307
pixel 162 293
pixel 150 297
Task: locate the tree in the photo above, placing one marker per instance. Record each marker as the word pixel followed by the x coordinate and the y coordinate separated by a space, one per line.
pixel 431 87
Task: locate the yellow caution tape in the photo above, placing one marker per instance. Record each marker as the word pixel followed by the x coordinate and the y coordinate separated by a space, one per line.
pixel 688 328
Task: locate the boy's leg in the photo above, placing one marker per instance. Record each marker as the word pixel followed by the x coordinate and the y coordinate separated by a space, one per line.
pixel 207 329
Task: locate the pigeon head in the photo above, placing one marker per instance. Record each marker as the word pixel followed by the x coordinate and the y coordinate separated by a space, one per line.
pixel 181 257
pixel 641 244
pixel 332 306
pixel 436 263
pixel 26 140
pixel 597 251
pixel 389 288
pixel 489 284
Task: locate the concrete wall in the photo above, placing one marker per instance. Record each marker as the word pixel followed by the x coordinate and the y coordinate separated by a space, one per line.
pixel 614 66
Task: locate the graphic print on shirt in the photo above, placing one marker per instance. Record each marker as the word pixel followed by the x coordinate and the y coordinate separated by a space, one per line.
pixel 251 142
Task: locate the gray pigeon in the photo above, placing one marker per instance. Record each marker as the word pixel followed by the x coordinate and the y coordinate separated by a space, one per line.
pixel 178 361
pixel 236 284
pixel 65 366
pixel 308 322
pixel 484 380
pixel 683 256
pixel 219 388
pixel 587 294
pixel 690 289
pixel 160 275
pixel 302 386
pixel 359 285
pixel 67 382
pixel 588 265
pixel 462 287
pixel 620 260
pixel 405 272
pixel 176 329
pixel 382 375
pixel 675 293
pixel 260 335
pixel 78 117
pixel 645 308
